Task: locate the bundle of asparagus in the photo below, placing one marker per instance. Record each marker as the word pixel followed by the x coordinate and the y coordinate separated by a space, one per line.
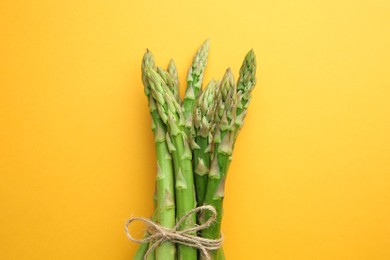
pixel 194 141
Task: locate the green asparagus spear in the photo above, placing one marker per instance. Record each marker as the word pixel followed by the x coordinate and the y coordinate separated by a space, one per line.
pixel 223 141
pixel 221 162
pixel 175 76
pixel 140 253
pixel 203 125
pixel 170 82
pixel 165 208
pixel 245 85
pixel 143 248
pixel 194 82
pixel 171 114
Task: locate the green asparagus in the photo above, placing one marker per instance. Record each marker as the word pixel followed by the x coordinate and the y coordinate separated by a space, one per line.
pixel 172 70
pixel 203 125
pixel 165 177
pixel 194 141
pixel 220 164
pixel 194 82
pixel 223 139
pixel 171 114
pixel 171 83
pixel 245 85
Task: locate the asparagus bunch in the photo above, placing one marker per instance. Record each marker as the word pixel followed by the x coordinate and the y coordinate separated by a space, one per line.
pixel 171 114
pixel 225 116
pixel 165 205
pixel 230 114
pixel 194 141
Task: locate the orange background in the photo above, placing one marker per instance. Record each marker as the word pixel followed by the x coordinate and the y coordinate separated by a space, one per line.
pixel 310 178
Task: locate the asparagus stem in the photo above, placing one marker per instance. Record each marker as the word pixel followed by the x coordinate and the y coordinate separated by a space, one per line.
pixel 165 190
pixel 165 209
pixel 220 254
pixel 203 125
pixel 245 85
pixel 223 140
pixel 201 168
pixel 152 254
pixel 170 112
pixel 171 83
pixel 225 137
pixel 141 251
pixel 172 70
pixel 194 83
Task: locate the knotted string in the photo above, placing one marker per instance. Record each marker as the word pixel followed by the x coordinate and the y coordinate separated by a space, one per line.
pixel 159 234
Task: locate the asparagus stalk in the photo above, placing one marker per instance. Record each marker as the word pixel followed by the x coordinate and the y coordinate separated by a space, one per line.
pixel 171 114
pixel 172 70
pixel 141 251
pixel 223 141
pixel 203 125
pixel 147 61
pixel 165 208
pixel 152 254
pixel 220 254
pixel 171 83
pixel 245 85
pixel 194 82
pixel 220 164
pixel 143 248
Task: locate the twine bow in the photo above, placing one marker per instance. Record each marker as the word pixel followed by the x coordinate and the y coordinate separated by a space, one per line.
pixel 159 234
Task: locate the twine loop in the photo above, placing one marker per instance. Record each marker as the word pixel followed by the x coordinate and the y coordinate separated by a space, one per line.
pixel 159 234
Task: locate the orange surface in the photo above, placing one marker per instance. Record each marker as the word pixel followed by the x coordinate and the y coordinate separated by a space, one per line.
pixel 310 178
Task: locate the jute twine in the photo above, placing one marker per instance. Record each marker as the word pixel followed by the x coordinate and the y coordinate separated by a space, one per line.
pixel 159 234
